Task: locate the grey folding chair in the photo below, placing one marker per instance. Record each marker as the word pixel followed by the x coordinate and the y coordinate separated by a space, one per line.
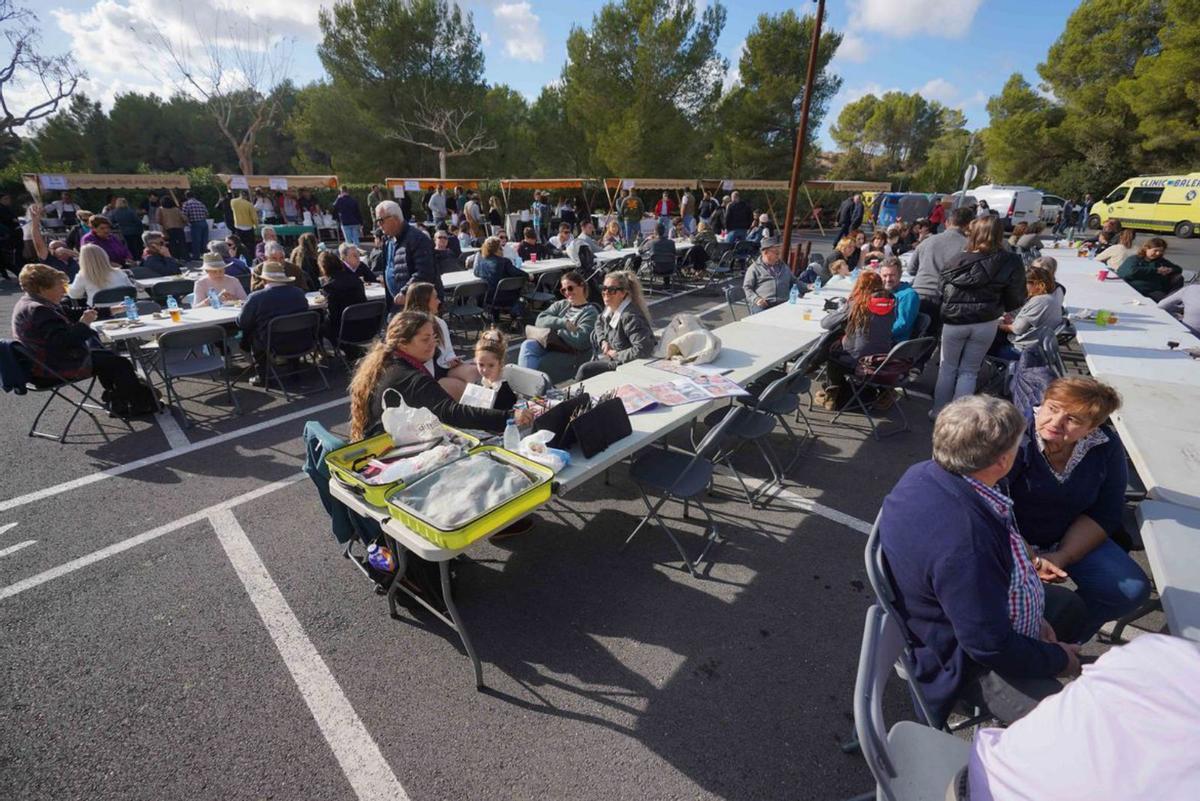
pixel 717 270
pixel 293 337
pixel 190 353
pixel 782 403
pixel 677 475
pixel 735 295
pixel 910 761
pixel 359 327
pixel 1049 344
pixel 467 303
pixel 545 290
pixel 896 372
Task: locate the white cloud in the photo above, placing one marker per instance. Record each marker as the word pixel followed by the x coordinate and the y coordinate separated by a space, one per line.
pixel 904 18
pixel 521 31
pixel 853 49
pixel 939 89
pixel 734 75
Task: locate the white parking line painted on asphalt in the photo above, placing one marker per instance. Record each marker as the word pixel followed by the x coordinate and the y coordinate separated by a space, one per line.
pixel 361 760
pixel 83 481
pixel 14 548
pixel 802 503
pixel 154 533
pixel 7 527
pixel 171 430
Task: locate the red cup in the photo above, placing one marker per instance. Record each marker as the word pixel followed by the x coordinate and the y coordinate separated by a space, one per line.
pixel 533 257
pixel 1102 275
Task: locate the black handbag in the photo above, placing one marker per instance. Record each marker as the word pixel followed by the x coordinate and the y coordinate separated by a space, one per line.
pixel 602 425
pixel 558 418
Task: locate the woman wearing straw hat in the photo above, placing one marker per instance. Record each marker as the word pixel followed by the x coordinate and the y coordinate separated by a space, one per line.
pixel 228 288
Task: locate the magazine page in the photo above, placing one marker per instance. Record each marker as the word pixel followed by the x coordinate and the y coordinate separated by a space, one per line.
pixel 718 386
pixel 634 399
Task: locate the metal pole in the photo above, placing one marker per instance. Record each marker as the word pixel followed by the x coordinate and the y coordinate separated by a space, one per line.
pixel 802 133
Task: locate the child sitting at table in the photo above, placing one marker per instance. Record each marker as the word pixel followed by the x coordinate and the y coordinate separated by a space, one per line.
pixel 490 352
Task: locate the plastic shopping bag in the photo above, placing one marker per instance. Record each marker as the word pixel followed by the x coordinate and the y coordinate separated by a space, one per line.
pixel 407 425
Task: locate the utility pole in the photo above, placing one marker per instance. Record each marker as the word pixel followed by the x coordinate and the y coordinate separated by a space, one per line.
pixel 802 133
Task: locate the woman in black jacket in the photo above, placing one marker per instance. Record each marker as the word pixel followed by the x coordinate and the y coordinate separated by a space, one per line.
pixel 340 288
pixel 398 362
pixel 978 286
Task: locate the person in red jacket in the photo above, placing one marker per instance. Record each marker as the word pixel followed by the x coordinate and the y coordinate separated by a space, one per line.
pixel 937 216
pixel 664 209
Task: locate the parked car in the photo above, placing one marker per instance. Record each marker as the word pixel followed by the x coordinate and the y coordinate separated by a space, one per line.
pixel 1014 204
pixel 1052 206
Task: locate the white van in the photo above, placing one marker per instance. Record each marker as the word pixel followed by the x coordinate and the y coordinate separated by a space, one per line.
pixel 1014 204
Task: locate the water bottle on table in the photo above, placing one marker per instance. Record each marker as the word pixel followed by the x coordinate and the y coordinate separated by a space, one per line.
pixel 131 309
pixel 512 436
pixel 794 295
pixel 214 298
pixel 173 309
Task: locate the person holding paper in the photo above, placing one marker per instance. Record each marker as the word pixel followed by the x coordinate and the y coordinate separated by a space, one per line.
pixel 490 351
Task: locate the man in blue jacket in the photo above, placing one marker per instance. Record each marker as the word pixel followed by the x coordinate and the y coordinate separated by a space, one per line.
pixel 407 254
pixel 349 216
pixel 278 297
pixel 983 627
pixel 908 302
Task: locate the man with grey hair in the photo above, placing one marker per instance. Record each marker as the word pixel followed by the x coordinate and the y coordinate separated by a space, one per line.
pixel 407 254
pixel 983 627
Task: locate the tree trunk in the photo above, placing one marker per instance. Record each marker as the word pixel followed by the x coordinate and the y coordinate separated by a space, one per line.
pixel 246 159
pixel 442 163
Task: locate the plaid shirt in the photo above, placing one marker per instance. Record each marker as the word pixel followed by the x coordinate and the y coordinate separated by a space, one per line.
pixel 194 210
pixel 1026 598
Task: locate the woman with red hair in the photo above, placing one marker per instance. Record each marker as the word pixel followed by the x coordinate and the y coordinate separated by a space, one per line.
pixel 868 317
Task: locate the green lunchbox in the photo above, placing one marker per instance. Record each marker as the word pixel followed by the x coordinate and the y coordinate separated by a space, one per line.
pixel 489 521
pixel 345 462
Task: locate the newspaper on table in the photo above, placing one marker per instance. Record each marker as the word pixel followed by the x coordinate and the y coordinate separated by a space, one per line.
pixel 691 371
pixel 634 398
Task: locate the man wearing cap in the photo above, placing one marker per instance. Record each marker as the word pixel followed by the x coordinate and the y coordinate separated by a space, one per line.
pixel 408 254
pixel 156 257
pixel 228 288
pixel 768 281
pixel 279 297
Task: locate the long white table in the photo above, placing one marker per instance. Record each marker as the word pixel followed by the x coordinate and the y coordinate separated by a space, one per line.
pixel 533 268
pixel 197 318
pixel 1171 535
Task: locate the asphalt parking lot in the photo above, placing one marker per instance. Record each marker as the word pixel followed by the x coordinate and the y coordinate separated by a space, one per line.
pixel 178 623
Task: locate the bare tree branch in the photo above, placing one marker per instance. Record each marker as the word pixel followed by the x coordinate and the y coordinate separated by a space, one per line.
pixel 57 75
pixel 236 77
pixel 450 132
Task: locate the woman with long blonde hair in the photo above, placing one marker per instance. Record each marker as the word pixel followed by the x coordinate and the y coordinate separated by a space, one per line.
pixel 623 332
pixel 450 371
pixel 96 273
pixel 398 362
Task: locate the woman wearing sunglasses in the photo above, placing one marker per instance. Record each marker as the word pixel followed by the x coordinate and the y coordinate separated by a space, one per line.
pixel 623 332
pixel 570 320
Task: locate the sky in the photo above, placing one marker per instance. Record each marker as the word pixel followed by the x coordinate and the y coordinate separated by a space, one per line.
pixel 958 52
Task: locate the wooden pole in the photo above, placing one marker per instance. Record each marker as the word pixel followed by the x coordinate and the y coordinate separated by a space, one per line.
pixel 802 133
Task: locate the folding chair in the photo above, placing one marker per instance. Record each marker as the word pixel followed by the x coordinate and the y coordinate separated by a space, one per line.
pixel 467 302
pixel 189 353
pixel 717 270
pixel 86 402
pixel 177 289
pixel 904 356
pixel 663 267
pixel 545 290
pixel 911 761
pixel 736 294
pixel 527 382
pixel 921 326
pixel 515 284
pixel 1049 343
pixel 108 297
pixel 293 336
pixel 683 477
pixel 359 327
pixel 781 403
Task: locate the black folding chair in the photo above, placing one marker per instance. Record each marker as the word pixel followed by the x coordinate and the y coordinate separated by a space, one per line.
pixel 467 303
pixel 359 328
pixel 53 387
pixel 506 285
pixel 663 266
pixel 177 289
pixel 108 297
pixel 735 295
pixel 716 271
pixel 292 337
pixel 545 290
pixel 683 477
pixel 896 372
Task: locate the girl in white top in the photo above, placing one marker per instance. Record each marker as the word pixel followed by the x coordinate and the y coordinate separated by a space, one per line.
pixel 95 274
pixel 1115 255
pixel 228 287
pixel 451 372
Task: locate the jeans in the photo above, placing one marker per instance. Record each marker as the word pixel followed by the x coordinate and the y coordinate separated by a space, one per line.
pixel 689 224
pixel 176 243
pixel 351 233
pixel 1010 698
pixel 594 367
pixel 199 238
pixel 665 222
pixel 963 350
pixel 531 354
pixel 630 230
pixel 1110 583
pixel 737 234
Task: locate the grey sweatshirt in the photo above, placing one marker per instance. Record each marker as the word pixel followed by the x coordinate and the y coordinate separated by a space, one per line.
pixel 1040 315
pixel 930 257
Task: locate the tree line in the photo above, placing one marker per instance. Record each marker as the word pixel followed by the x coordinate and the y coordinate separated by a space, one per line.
pixel 644 92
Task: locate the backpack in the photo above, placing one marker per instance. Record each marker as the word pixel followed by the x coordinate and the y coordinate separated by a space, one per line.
pixel 141 400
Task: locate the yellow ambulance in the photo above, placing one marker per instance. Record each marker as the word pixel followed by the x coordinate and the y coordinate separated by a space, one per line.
pixel 1153 203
